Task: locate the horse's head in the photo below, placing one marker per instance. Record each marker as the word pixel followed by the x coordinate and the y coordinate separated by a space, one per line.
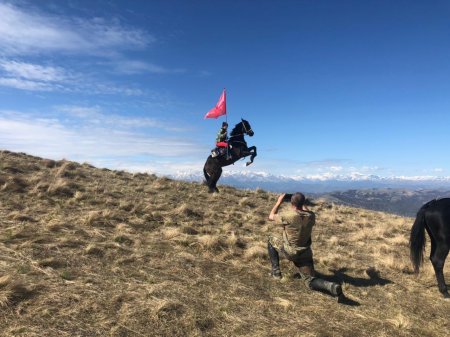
pixel 247 129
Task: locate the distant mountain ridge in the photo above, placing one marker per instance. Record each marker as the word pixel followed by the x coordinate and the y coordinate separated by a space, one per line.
pixel 398 195
pixel 319 184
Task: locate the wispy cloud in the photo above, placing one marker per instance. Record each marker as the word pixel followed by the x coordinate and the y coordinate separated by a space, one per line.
pixel 28 34
pixel 162 167
pixel 33 72
pixel 32 77
pixel 54 137
pixel 31 31
pixel 139 67
pixel 18 83
pixel 95 115
pixel 36 77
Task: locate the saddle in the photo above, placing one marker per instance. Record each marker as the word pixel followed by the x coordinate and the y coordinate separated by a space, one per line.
pixel 221 151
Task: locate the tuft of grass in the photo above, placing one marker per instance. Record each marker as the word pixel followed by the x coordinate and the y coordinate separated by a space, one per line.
pixel 171 232
pixel 67 275
pixel 94 250
pixel 258 251
pixel 53 262
pixel 62 187
pixel 209 241
pixel 123 239
pixel 400 321
pixel 14 185
pixel 12 291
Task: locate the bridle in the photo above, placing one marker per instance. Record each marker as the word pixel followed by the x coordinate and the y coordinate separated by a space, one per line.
pixel 245 129
pixel 246 132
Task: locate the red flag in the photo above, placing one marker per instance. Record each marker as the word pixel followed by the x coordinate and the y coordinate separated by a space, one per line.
pixel 220 109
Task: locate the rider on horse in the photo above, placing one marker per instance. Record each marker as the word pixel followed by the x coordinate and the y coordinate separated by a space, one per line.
pixel 222 142
pixel 237 149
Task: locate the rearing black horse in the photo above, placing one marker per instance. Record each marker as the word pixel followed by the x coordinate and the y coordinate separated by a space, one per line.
pixel 238 149
pixel 434 216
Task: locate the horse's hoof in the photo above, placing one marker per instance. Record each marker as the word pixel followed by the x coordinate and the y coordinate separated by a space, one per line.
pixel 446 295
pixel 216 190
pixel 248 163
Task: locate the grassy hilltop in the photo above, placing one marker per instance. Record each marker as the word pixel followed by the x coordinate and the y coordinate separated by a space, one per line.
pixel 94 252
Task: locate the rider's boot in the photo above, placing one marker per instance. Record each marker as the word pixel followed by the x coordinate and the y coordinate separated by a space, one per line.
pixel 275 261
pixel 332 288
pixel 228 153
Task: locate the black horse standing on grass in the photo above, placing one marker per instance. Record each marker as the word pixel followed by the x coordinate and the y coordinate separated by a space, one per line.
pixel 238 149
pixel 434 216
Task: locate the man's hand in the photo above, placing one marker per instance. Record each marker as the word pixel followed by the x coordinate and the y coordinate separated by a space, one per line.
pixel 280 198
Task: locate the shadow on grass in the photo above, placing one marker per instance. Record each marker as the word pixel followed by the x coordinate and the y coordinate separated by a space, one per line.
pixel 339 276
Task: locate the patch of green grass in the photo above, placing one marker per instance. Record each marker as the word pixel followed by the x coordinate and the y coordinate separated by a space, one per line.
pixel 67 275
pixel 24 269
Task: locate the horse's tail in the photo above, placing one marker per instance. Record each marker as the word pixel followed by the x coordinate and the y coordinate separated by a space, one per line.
pixel 417 239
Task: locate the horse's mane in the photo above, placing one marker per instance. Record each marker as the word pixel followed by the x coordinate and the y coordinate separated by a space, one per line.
pixel 237 129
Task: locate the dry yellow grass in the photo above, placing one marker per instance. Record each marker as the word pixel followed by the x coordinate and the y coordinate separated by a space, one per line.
pixel 95 252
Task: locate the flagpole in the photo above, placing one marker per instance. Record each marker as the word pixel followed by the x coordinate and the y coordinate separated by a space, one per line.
pixel 226 120
pixel 226 115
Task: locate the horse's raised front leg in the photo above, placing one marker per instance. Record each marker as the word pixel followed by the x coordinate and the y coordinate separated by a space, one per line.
pixel 252 150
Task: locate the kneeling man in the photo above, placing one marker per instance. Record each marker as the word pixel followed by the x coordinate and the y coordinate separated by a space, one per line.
pixel 292 238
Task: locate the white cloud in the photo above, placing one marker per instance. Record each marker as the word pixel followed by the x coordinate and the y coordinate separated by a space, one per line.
pixel 30 31
pixel 80 111
pixel 110 89
pixel 96 115
pixel 138 67
pixel 35 77
pixel 22 84
pixel 205 73
pixel 158 167
pixel 49 137
pixel 33 72
pixel 336 168
pixel 32 77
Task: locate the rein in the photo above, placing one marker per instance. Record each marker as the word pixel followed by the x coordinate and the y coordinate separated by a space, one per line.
pixel 241 134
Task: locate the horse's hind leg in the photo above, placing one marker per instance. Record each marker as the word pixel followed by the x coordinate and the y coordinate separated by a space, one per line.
pixel 206 181
pixel 438 255
pixel 214 178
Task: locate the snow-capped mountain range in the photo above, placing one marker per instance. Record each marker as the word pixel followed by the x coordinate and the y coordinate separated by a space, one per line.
pixel 318 183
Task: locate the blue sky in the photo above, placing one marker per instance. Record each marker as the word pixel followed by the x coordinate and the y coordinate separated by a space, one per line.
pixel 329 87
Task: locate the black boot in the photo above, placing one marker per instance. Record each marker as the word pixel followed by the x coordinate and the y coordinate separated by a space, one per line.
pixel 275 261
pixel 215 152
pixel 322 285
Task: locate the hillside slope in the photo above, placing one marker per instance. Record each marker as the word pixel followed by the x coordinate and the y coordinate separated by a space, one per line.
pixel 94 252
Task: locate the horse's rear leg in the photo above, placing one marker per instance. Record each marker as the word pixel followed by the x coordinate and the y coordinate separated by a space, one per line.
pixel 207 177
pixel 213 179
pixel 437 257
